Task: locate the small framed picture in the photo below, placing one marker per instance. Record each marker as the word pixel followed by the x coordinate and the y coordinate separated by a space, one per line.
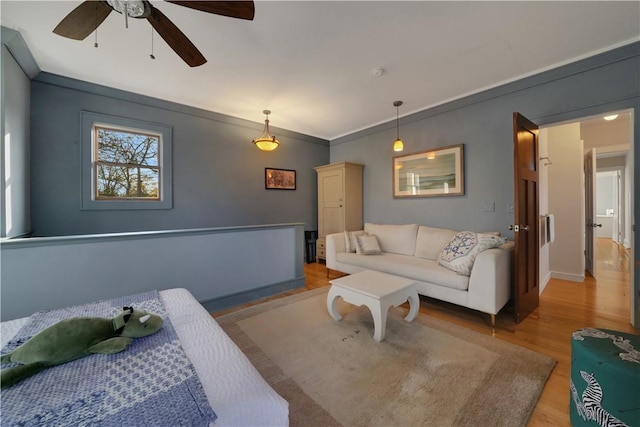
pixel 279 179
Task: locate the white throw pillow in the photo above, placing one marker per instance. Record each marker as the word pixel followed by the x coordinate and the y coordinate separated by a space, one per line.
pixel 431 241
pixel 394 238
pixel 350 240
pixel 461 252
pixel 367 244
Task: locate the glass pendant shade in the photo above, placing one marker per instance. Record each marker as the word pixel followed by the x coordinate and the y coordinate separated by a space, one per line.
pixel 266 141
pixel 398 145
pixel 266 144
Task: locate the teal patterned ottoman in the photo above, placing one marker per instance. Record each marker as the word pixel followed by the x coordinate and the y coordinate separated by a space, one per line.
pixel 605 378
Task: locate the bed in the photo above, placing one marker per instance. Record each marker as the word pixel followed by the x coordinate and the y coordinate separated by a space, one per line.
pixel 233 387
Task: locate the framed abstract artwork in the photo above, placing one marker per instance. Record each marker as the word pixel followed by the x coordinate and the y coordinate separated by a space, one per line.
pixel 435 172
pixel 279 179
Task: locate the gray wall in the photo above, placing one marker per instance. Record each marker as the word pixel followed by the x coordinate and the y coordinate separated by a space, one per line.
pixel 54 272
pixel 218 174
pixel 483 123
pixel 15 215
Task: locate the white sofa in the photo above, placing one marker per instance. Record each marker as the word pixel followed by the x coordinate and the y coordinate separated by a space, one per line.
pixel 412 251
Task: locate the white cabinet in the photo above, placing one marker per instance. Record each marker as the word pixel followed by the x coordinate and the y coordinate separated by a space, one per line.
pixel 339 200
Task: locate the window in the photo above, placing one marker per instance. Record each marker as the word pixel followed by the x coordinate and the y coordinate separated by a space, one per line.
pixel 126 163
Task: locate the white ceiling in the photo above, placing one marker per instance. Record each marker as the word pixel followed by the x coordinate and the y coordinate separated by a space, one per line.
pixel 310 62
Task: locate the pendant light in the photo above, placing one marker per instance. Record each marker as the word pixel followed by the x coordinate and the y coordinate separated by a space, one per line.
pixel 397 145
pixel 266 141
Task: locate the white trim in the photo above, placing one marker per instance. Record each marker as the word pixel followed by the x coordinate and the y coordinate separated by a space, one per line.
pixel 544 282
pixel 567 276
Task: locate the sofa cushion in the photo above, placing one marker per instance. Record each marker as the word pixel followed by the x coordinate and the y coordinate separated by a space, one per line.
pixel 350 240
pixel 460 253
pixel 419 269
pixel 431 241
pixel 367 244
pixel 395 239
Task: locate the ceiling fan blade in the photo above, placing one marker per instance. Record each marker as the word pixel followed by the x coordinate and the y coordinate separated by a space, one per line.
pixel 175 38
pixel 233 9
pixel 83 20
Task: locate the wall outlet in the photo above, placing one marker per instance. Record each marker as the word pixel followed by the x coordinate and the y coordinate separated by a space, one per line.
pixel 489 207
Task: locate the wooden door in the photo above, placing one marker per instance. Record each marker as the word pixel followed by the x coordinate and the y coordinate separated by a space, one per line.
pixel 590 211
pixel 526 227
pixel 331 201
pixel 617 198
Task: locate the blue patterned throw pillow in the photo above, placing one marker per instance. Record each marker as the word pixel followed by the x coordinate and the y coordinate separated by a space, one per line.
pixel 460 253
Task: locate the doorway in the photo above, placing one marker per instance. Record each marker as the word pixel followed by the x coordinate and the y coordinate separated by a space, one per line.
pixel 563 195
pixel 612 256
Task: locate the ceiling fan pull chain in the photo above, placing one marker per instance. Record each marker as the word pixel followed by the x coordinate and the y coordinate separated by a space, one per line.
pixel 152 56
pixel 126 15
pixel 95 43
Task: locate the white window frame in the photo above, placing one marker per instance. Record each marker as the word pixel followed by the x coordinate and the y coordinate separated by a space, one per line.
pixel 90 201
pixel 96 162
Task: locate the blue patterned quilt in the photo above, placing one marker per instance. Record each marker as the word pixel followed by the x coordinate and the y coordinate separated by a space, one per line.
pixel 151 382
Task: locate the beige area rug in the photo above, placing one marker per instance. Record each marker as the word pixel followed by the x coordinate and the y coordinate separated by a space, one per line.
pixel 427 372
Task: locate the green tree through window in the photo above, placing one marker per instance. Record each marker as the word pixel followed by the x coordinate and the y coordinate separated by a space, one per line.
pixel 126 164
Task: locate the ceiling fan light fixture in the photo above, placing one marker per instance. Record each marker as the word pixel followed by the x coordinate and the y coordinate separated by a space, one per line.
pixel 398 145
pixel 133 8
pixel 266 141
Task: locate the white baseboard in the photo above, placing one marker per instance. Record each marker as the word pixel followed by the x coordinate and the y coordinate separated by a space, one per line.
pixel 626 243
pixel 544 282
pixel 567 276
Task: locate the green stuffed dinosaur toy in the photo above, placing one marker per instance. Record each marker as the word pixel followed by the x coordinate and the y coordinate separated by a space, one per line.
pixel 74 338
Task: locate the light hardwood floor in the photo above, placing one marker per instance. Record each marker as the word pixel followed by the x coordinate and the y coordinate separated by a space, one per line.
pixel 564 307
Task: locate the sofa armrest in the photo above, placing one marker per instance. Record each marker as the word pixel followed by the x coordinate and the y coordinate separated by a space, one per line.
pixel 335 244
pixel 491 279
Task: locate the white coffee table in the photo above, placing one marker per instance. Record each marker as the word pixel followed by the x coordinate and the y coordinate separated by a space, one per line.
pixel 378 291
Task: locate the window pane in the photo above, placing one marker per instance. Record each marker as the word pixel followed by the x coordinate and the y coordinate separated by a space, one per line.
pixel 123 181
pixel 118 146
pixel 113 148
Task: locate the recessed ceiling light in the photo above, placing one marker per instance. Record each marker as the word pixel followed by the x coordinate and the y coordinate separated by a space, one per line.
pixel 611 117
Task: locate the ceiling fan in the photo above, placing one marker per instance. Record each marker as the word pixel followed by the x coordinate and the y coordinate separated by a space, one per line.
pixel 86 18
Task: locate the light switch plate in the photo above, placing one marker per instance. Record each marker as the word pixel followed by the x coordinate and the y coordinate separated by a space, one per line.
pixel 490 207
